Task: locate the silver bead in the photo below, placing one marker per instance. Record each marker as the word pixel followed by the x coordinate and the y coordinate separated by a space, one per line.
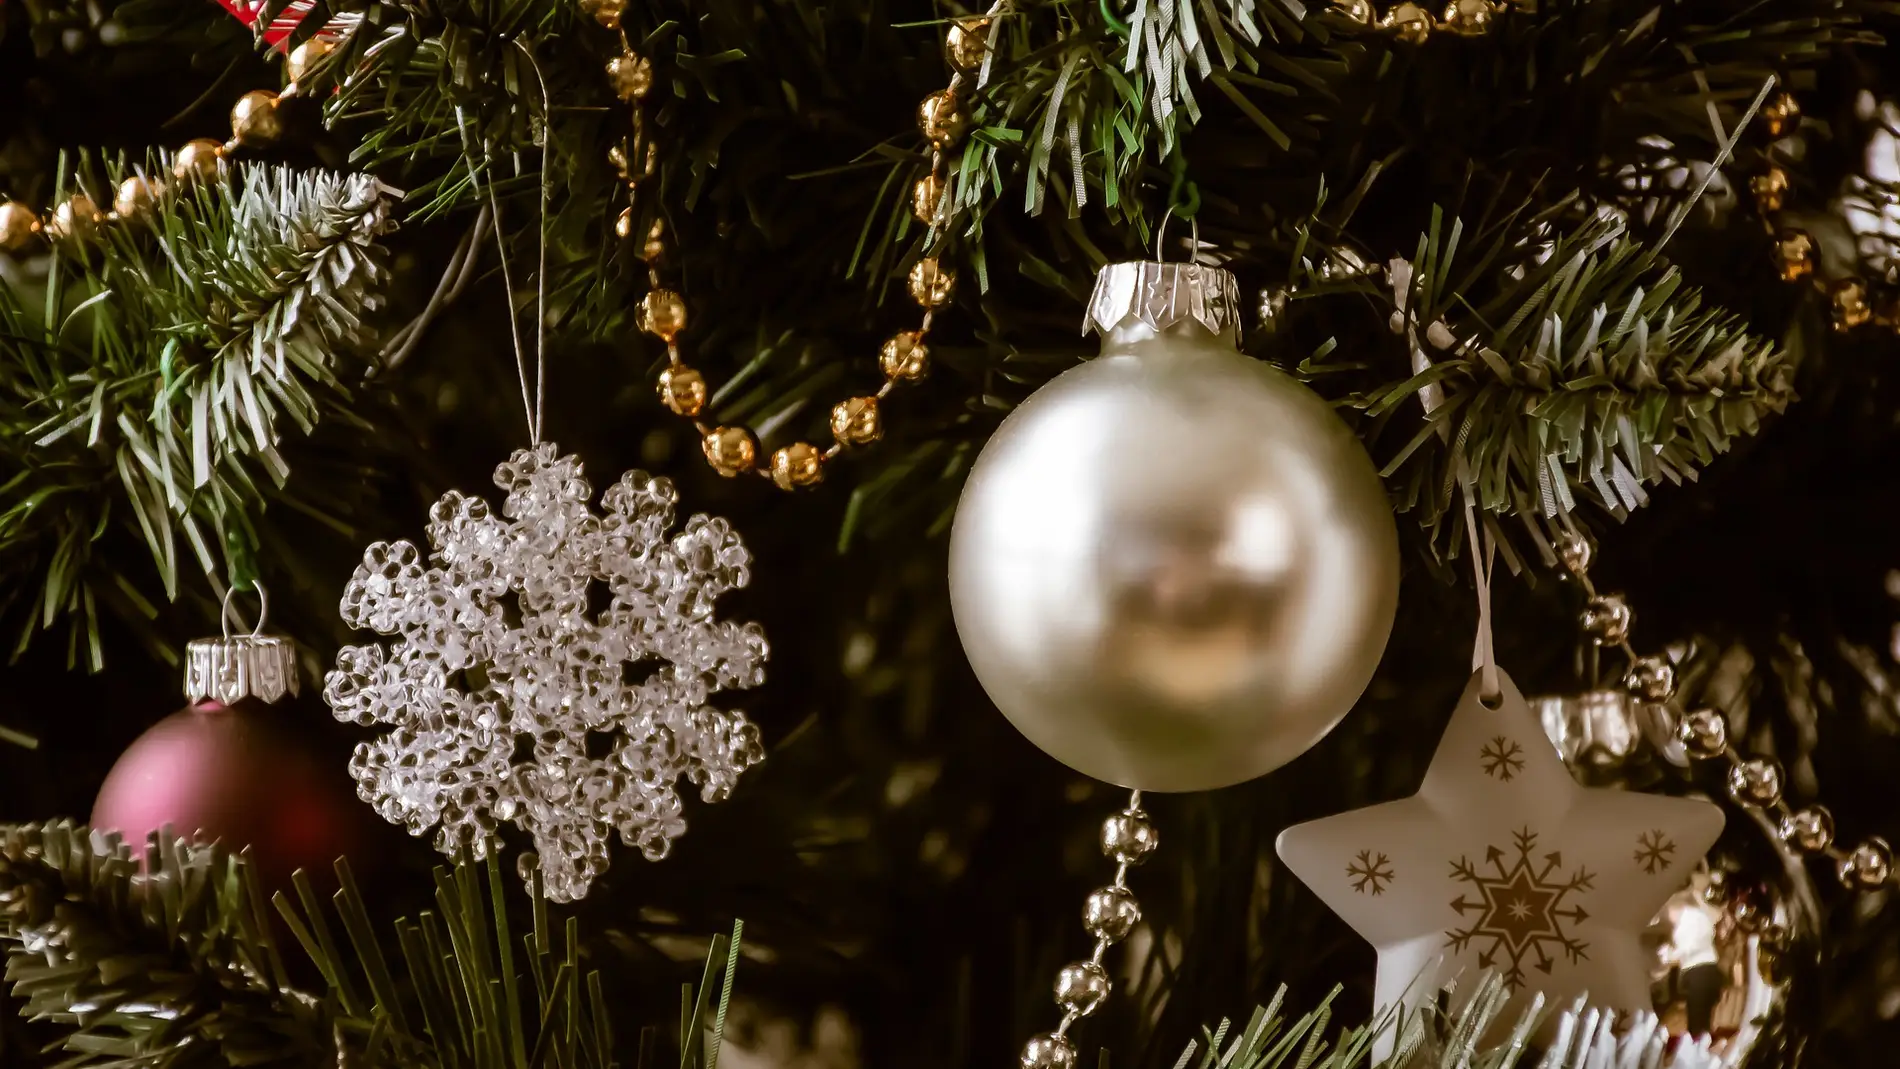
pixel 1575 551
pixel 1048 1051
pixel 1810 830
pixel 1756 782
pixel 1704 732
pixel 1607 620
pixel 1111 913
pixel 1750 907
pixel 1652 679
pixel 1081 986
pixel 1129 837
pixel 1775 938
pixel 1868 867
pixel 1272 306
pixel 1176 567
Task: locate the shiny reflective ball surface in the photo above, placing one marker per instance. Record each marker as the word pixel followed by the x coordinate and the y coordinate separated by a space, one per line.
pixel 1174 567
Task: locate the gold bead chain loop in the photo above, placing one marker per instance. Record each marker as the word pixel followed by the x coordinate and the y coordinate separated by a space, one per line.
pixel 255 124
pixel 1109 914
pixel 1415 23
pixel 1851 302
pixel 1753 781
pixel 943 118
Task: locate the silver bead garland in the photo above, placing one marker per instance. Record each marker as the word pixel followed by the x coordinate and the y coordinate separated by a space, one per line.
pixel 1109 914
pixel 1754 782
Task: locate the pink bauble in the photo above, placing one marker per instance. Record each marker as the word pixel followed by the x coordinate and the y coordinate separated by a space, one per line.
pixel 239 774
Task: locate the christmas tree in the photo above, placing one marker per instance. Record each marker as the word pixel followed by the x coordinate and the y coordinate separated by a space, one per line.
pixel 1606 292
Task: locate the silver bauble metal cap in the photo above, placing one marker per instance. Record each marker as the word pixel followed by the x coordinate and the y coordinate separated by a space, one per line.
pixel 232 667
pixel 1161 295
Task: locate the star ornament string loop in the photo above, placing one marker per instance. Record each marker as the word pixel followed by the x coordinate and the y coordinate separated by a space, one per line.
pixel 1484 656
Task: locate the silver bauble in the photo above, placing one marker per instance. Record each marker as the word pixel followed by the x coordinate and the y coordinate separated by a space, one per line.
pixel 1173 568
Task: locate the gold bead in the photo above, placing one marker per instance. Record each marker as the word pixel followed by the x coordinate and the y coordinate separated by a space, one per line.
pixel 18 225
pixel 1607 620
pixel 605 12
pixel 1408 22
pixel 134 198
pixel 663 314
pixel 931 284
pixel 1848 296
pixel 925 197
pixel 905 357
pixel 855 421
pixel 683 390
pixel 1652 679
pixel 967 42
pixel 623 223
pixel 940 118
pixel 1770 189
pixel 1756 782
pixel 1360 11
pixel 1468 17
pixel 1868 867
pixel 1781 114
pixel 1795 251
pixel 630 75
pixel 76 219
pixel 254 119
pixel 798 465
pixel 304 58
pixel 655 248
pixel 1810 830
pixel 730 450
pixel 197 159
pixel 1704 732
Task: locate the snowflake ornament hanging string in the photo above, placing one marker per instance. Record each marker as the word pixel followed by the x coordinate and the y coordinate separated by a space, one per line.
pixel 499 653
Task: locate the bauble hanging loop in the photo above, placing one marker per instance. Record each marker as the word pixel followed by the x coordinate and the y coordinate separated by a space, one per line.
pixel 232 667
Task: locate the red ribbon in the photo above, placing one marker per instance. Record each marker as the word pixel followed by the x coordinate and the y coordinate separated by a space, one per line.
pixel 246 11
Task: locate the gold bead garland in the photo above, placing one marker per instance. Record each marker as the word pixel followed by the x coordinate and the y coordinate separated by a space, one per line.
pixel 942 118
pixel 1848 301
pixel 1753 781
pixel 1109 914
pixel 255 124
pixel 1415 23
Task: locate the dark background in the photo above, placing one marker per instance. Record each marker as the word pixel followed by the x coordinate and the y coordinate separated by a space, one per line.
pixel 903 854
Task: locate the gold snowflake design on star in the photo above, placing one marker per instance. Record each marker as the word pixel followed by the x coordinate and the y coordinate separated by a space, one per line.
pixel 1501 758
pixel 1524 909
pixel 1370 873
pixel 1654 851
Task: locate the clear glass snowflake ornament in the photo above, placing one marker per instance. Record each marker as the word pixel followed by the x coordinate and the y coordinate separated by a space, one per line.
pixel 502 652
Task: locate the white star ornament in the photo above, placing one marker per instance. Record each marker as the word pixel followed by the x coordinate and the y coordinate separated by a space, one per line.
pixel 1502 861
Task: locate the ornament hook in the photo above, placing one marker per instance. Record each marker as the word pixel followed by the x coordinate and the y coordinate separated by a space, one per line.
pixel 228 613
pixel 1161 236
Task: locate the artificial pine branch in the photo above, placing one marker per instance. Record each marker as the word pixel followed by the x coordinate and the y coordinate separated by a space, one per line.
pixel 175 358
pixel 169 960
pixel 146 961
pixel 1585 370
